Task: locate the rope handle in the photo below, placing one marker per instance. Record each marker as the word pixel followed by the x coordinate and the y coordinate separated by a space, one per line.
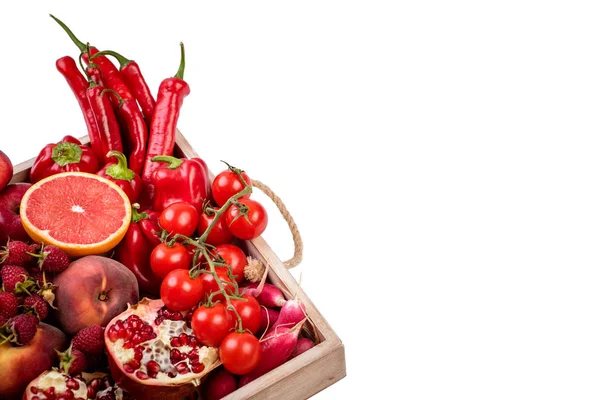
pixel 298 245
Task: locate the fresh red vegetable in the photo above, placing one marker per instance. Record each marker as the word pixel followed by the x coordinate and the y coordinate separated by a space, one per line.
pixel 131 73
pixel 126 179
pixel 163 128
pixel 179 218
pixel 268 316
pixel 276 349
pixel 270 295
pixel 108 125
pixel 247 219
pixel 212 323
pixel 240 353
pixel 79 86
pixel 290 314
pixel 135 249
pixel 68 155
pixel 150 228
pixel 303 345
pixel 249 310
pixel 219 234
pixel 210 285
pixel 129 112
pixel 219 384
pixel 180 180
pixel 166 258
pixel 179 291
pixel 228 183
pixel 234 257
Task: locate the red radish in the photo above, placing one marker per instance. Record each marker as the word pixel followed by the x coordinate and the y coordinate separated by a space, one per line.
pixel 290 314
pixel 268 316
pixel 219 384
pixel 275 350
pixel 270 296
pixel 303 345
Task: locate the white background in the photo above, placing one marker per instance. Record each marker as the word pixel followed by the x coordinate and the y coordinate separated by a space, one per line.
pixel 441 159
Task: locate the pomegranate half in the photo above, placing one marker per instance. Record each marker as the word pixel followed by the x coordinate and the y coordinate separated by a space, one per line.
pixel 153 354
pixel 20 364
pixel 54 384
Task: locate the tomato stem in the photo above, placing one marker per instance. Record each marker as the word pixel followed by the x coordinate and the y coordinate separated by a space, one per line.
pixel 246 190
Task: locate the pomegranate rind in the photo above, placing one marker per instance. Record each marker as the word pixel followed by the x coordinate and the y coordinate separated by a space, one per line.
pixel 21 364
pixel 75 249
pixel 164 389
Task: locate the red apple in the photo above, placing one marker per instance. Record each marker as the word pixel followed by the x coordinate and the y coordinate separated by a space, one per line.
pixel 93 290
pixel 10 220
pixel 21 364
pixel 6 170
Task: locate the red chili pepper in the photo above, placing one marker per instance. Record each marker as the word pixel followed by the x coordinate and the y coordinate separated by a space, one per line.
pixel 105 119
pixel 135 249
pixel 126 179
pixel 163 129
pixel 181 180
pixel 129 112
pixel 68 155
pixel 131 73
pixel 78 84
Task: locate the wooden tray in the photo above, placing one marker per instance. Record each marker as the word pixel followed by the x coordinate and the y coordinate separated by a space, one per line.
pixel 305 375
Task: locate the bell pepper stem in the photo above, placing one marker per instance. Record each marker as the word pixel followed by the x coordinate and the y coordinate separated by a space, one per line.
pixel 80 45
pixel 119 170
pixel 181 69
pixel 123 61
pixel 64 153
pixel 174 162
pixel 137 216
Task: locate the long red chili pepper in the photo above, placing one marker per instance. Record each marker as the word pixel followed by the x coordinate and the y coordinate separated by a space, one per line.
pixel 78 84
pixel 129 112
pixel 163 129
pixel 106 120
pixel 131 73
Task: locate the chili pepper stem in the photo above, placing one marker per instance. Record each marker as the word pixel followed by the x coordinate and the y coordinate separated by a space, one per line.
pixel 181 69
pixel 80 45
pixel 123 61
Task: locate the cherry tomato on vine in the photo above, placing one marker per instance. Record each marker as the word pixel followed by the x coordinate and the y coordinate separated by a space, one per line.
pixel 212 324
pixel 179 291
pixel 228 183
pixel 219 233
pixel 210 285
pixel 250 226
pixel 249 310
pixel 179 218
pixel 240 352
pixel 234 257
pixel 165 259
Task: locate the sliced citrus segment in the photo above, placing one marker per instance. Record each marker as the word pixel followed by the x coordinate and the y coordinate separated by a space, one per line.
pixel 78 212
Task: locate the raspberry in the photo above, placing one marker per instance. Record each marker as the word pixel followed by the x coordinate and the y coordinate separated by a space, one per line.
pixel 9 305
pixel 90 340
pixel 72 361
pixel 38 304
pixel 52 259
pixel 13 276
pixel 15 253
pixel 23 327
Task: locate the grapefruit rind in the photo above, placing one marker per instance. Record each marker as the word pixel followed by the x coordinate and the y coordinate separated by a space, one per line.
pixel 74 249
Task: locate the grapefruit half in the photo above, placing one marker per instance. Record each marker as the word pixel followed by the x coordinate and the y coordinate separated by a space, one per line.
pixel 78 212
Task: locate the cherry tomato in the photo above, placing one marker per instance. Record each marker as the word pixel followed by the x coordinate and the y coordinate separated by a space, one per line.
pixel 252 226
pixel 219 234
pixel 235 257
pixel 165 259
pixel 249 311
pixel 240 352
pixel 228 183
pixel 210 285
pixel 179 218
pixel 179 291
pixel 212 324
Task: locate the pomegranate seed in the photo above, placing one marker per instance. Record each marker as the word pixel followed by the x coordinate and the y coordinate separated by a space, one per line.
pixel 95 383
pixel 138 353
pixel 182 368
pixel 34 390
pixel 112 334
pixel 35 398
pixel 193 342
pixel 175 356
pixel 175 342
pixel 153 368
pixel 136 338
pixel 131 366
pixel 183 338
pixel 197 368
pixel 141 375
pixel 72 384
pixel 172 374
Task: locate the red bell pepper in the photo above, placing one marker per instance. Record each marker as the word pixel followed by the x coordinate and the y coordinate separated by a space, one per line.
pixel 137 245
pixel 184 180
pixel 68 155
pixel 126 179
